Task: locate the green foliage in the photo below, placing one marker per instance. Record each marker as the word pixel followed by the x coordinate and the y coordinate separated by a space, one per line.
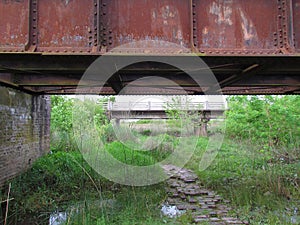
pixel 131 205
pixel 63 181
pixel 268 120
pixel 90 112
pixel 182 116
pixel 144 121
pixel 53 182
pixel 61 124
pixel 61 113
pixel 260 181
pixel 129 156
pixel 261 184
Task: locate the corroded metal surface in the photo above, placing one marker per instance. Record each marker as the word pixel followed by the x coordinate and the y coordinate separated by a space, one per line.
pixel 237 27
pixel 14 25
pixel 167 20
pixel 65 25
pixel 211 27
pixel 296 23
pixel 251 46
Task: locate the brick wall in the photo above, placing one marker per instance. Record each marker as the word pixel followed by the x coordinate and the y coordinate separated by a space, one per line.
pixel 24 131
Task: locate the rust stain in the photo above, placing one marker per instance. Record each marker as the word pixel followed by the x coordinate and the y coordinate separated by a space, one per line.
pixel 166 21
pixel 148 21
pixel 223 12
pixel 296 22
pixel 248 29
pixel 215 25
pixel 65 23
pixel 14 24
pixel 236 24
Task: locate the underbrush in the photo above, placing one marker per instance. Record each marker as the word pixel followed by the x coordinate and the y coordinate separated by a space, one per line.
pixel 262 184
pixel 63 181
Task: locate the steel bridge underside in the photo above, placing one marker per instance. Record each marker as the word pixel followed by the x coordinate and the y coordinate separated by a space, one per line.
pixel 63 74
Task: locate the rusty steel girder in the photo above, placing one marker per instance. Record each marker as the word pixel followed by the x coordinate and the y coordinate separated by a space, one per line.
pixel 37 33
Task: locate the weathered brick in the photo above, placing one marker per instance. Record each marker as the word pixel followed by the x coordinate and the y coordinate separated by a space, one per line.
pixel 24 131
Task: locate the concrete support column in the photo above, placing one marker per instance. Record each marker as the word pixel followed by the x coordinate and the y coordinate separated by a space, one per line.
pixel 117 121
pixel 201 127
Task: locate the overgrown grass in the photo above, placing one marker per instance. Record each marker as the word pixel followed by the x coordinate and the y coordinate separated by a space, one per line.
pixel 262 184
pixel 261 181
pixel 130 205
pixel 64 182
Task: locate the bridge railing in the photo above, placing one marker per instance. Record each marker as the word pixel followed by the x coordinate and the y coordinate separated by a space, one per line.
pixel 162 106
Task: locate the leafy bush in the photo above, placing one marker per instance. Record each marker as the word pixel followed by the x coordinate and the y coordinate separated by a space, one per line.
pixel 61 125
pixel 268 120
pixel 63 111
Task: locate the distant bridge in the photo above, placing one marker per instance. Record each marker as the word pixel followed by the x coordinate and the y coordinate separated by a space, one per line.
pixel 158 110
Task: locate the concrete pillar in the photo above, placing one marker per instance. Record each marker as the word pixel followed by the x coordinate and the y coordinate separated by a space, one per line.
pixel 117 122
pixel 201 127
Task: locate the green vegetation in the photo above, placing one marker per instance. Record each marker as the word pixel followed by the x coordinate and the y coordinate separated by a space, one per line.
pixel 265 120
pixel 63 181
pixel 257 168
pixel 61 124
pixel 263 186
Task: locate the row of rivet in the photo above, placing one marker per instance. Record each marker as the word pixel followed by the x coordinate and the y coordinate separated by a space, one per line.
pixel 238 52
pixel 93 34
pixel 195 39
pixel 281 39
pixel 105 33
pixel 33 38
pixel 285 25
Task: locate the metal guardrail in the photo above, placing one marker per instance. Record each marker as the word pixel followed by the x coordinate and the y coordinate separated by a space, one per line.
pixel 162 106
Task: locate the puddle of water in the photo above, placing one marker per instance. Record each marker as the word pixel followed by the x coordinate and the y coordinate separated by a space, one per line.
pixel 58 218
pixel 171 211
pixel 295 218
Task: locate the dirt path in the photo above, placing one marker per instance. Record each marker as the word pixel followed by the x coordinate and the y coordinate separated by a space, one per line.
pixel 186 192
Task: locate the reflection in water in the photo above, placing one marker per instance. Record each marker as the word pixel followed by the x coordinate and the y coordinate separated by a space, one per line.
pixel 58 218
pixel 171 211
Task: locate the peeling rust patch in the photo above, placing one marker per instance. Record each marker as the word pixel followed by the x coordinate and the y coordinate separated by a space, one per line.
pixel 296 22
pixel 236 25
pixel 65 23
pixel 14 23
pixel 148 21
pixel 166 21
pixel 248 29
pixel 223 13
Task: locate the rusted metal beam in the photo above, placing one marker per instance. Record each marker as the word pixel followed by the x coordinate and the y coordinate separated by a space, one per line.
pixel 236 77
pixel 55 73
pixel 208 27
pixel 46 46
